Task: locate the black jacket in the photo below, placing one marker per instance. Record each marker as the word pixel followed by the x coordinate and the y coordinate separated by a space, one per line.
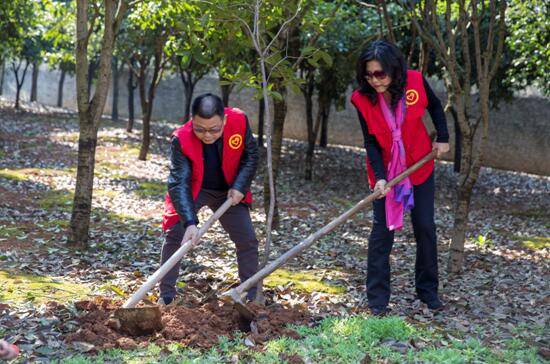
pixel 179 180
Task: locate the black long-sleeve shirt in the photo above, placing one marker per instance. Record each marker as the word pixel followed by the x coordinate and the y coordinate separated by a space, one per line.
pixel 179 179
pixel 374 151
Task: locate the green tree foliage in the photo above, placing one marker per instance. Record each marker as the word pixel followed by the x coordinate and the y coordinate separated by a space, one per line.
pixel 61 33
pixel 193 47
pixel 528 45
pixel 22 37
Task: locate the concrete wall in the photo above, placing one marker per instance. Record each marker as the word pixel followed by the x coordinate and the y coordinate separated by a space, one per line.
pixel 519 136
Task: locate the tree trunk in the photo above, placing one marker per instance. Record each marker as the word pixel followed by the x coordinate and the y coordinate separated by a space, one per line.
pixel 458 141
pixel 89 112
pixel 226 91
pixel 325 108
pixel 279 115
pixel 382 4
pixel 17 96
pixel 424 57
pixel 456 255
pixel 19 82
pixel 82 206
pixel 189 89
pixel 146 134
pixel 261 121
pixel 60 88
pixel 2 74
pixel 131 88
pixel 145 137
pixel 307 91
pixel 312 139
pixel 116 79
pixel 147 106
pixel 91 74
pixel 34 84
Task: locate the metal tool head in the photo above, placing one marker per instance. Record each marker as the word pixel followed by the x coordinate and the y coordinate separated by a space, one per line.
pixel 237 300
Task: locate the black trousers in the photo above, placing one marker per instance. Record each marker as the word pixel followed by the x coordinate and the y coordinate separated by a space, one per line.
pixel 236 221
pixel 381 242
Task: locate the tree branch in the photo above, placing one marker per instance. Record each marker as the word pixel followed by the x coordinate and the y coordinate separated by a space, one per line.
pixel 283 26
pixel 501 38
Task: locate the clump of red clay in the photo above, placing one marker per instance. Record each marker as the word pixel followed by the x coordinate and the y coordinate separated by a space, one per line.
pixel 197 326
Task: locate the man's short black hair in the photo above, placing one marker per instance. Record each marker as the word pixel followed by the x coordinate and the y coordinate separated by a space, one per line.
pixel 207 105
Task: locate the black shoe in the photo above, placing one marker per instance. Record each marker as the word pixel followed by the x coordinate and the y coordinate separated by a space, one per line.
pixel 379 311
pixel 165 300
pixel 435 305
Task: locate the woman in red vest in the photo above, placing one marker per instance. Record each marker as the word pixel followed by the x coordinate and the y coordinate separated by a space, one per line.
pixel 212 157
pixel 390 102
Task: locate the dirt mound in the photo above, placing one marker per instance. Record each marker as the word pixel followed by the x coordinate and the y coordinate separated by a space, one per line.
pixel 196 326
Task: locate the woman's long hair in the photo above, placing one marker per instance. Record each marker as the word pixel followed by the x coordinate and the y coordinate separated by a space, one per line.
pixel 393 63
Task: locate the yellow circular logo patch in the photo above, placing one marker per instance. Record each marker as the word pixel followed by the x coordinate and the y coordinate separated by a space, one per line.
pixel 411 97
pixel 235 141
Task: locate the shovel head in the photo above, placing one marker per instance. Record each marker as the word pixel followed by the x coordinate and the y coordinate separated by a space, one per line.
pixel 137 321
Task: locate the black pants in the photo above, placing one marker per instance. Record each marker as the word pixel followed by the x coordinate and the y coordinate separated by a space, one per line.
pixel 381 241
pixel 236 221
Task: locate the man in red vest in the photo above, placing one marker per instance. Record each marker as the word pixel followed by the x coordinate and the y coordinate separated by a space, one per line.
pixel 213 156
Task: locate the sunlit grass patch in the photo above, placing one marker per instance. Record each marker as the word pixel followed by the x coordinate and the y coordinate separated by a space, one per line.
pixel 7 231
pixel 125 218
pixel 106 169
pixel 21 287
pixel 16 175
pixel 106 193
pixel 55 223
pixel 25 173
pixel 118 152
pixel 302 281
pixel 71 137
pixel 56 199
pixel 534 242
pixel 151 189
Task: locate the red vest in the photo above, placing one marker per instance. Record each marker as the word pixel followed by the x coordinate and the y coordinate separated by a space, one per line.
pixel 233 145
pixel 415 137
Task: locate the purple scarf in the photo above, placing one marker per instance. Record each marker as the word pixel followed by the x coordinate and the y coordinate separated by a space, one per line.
pixel 400 198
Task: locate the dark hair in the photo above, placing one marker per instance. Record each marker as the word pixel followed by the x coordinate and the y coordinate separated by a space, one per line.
pixel 207 105
pixel 393 63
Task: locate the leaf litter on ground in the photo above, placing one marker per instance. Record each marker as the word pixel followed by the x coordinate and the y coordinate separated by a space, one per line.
pixel 503 292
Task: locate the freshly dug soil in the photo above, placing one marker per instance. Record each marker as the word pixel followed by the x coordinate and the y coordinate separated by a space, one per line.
pixel 196 326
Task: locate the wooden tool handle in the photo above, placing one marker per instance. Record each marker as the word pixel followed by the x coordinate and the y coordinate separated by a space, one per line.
pixel 161 272
pixel 268 269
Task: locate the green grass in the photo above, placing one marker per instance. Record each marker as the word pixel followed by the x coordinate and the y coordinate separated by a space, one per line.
pixel 22 287
pixel 55 199
pixel 106 169
pixel 151 189
pixel 303 281
pixel 333 341
pixel 13 231
pixel 106 193
pixel 14 175
pixel 534 242
pixel 55 223
pixel 24 173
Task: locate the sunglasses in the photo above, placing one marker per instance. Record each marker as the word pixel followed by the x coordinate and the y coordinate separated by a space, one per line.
pixel 380 75
pixel 211 131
